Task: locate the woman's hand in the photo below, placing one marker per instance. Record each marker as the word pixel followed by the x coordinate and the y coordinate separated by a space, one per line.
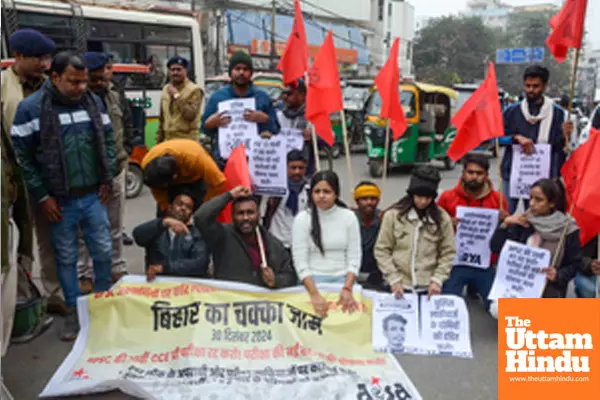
pixel 319 304
pixel 550 273
pixel 434 289
pixel 398 290
pixel 516 219
pixel 347 301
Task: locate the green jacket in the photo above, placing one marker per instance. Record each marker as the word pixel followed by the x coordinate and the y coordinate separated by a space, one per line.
pixel 14 193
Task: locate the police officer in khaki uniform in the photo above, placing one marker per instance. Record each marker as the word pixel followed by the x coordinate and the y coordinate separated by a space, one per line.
pixel 180 104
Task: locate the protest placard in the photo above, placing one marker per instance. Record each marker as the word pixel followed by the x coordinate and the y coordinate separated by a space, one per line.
pixel 528 169
pixel 187 339
pixel 421 326
pixel 518 273
pixel 446 328
pixel 295 139
pixel 268 166
pixel 473 235
pixel 239 131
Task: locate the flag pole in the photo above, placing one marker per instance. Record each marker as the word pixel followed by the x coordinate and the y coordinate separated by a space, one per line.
pixel 347 151
pixel 314 135
pixel 598 276
pixel 385 150
pixel 499 168
pixel 572 92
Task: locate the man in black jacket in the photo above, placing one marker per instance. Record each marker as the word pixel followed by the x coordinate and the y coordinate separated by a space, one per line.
pixel 236 248
pixel 174 246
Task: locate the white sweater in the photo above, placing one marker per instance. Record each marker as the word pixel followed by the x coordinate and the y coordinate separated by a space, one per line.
pixel 340 235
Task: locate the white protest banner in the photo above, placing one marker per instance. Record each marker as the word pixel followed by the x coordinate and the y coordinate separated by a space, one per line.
pixel 396 324
pixel 526 170
pixel 239 130
pixel 518 273
pixel 446 328
pixel 268 166
pixel 295 139
pixel 473 235
pixel 179 339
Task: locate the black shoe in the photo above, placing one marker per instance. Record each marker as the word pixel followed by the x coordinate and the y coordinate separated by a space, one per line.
pixel 70 329
pixel 127 240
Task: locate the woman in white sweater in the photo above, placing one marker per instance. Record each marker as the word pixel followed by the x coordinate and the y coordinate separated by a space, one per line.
pixel 326 245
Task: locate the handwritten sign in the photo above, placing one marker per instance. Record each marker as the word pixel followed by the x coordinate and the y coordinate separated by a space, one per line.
pixel 446 328
pixel 416 325
pixel 268 166
pixel 239 130
pixel 473 236
pixel 294 137
pixel 518 273
pixel 526 170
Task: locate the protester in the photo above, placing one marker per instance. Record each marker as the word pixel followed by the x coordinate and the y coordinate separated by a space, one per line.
pixel 68 161
pixel 474 189
pixel 415 248
pixel 587 280
pixel 179 104
pixel 240 71
pixel 32 51
pixel 534 120
pixel 178 162
pixel 174 246
pixel 292 116
pixel 542 226
pixel 326 243
pixel 367 196
pixel 237 248
pixel 123 133
pixel 573 139
pixel 280 211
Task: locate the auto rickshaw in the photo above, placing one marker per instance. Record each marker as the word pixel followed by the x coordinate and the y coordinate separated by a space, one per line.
pixel 428 110
pixel 214 83
pixel 270 82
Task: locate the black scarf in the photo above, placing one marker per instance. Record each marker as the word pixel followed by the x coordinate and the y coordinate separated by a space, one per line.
pixel 50 134
pixel 294 189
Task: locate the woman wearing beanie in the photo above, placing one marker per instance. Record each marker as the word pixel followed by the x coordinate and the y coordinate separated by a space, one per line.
pixel 415 247
pixel 326 245
pixel 542 226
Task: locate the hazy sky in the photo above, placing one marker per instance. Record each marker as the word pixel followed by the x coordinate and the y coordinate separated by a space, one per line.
pixel 436 8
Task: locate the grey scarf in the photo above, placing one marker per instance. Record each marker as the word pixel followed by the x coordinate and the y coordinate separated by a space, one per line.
pixel 550 227
pixel 293 114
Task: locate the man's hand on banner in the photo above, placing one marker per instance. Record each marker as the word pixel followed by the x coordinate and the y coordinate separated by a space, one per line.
pixel 266 135
pixel 152 271
pixel 319 304
pixel 218 120
pixel 526 144
pixel 256 116
pixel 307 133
pixel 550 273
pixel 398 290
pixel 268 276
pixel 503 215
pixel 347 301
pixel 433 290
pixel 567 129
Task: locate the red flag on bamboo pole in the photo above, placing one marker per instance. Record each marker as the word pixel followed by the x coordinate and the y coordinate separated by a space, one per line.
pixel 567 29
pixel 324 93
pixel 237 174
pixel 479 119
pixel 387 82
pixel 294 61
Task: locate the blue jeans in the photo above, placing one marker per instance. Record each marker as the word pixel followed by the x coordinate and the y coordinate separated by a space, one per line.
pixel 88 213
pixel 512 203
pixel 481 279
pixel 585 286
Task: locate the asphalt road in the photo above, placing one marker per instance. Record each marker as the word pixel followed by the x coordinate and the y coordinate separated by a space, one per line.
pixel 27 368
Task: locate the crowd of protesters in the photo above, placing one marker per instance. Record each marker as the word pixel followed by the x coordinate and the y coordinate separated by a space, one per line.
pixel 65 144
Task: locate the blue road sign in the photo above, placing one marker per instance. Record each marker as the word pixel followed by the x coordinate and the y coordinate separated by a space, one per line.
pixel 538 54
pixel 518 56
pixel 521 55
pixel 502 56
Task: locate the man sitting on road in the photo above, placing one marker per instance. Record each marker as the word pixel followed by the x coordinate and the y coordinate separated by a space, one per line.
pixel 174 246
pixel 181 162
pixel 281 211
pixel 473 190
pixel 238 248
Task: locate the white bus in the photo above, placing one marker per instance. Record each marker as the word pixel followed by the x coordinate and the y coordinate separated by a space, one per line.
pixel 130 36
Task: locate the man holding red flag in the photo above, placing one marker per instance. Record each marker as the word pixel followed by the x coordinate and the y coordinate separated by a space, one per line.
pixel 534 120
pixel 567 29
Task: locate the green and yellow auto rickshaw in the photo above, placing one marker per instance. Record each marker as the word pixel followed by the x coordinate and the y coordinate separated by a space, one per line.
pixel 428 110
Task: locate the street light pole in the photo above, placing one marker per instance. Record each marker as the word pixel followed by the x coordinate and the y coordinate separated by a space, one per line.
pixel 273 52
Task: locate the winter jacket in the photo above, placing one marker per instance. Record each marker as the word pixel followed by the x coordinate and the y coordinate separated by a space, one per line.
pixel 180 118
pixel 263 103
pixel 453 198
pixel 516 124
pixel 231 257
pixel 14 90
pixel 193 163
pixel 368 238
pixel 119 113
pixel 568 268
pixel 80 159
pixel 180 255
pixel 413 253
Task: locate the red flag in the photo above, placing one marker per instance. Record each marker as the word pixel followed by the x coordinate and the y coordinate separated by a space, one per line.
pixel 579 173
pixel 324 93
pixel 479 119
pixel 567 29
pixel 237 173
pixel 294 61
pixel 387 82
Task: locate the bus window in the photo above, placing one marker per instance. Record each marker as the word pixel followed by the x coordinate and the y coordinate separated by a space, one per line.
pixel 162 53
pixel 157 33
pixel 56 27
pixel 114 30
